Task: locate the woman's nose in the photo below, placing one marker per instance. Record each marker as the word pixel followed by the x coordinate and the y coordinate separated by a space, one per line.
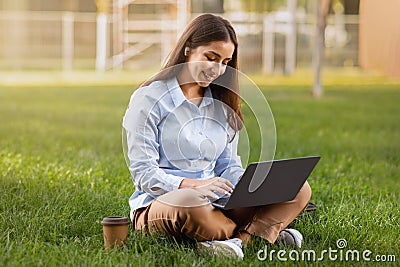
pixel 218 68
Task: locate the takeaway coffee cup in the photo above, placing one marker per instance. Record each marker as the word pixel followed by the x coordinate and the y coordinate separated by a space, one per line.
pixel 115 231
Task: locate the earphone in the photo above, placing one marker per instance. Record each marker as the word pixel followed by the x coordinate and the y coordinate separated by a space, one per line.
pixel 186 52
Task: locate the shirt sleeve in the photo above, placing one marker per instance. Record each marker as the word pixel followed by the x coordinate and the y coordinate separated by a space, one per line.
pixel 228 164
pixel 140 124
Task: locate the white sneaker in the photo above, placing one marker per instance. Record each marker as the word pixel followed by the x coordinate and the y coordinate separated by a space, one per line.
pixel 291 237
pixel 230 247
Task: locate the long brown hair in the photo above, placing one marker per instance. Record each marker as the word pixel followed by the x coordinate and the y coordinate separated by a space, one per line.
pixel 203 30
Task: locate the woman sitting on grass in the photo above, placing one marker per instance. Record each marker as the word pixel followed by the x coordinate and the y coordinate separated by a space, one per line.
pixel 182 140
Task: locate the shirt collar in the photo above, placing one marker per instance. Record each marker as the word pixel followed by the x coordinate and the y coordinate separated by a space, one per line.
pixel 178 97
pixel 175 90
pixel 207 99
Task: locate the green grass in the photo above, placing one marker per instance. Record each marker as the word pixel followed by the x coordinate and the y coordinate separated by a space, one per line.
pixel 62 170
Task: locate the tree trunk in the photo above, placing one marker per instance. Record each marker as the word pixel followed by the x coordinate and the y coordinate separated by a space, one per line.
pixel 322 13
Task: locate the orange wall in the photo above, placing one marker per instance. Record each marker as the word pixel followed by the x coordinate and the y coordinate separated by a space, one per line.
pixel 379 43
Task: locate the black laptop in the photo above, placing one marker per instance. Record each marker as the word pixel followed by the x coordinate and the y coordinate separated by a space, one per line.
pixel 269 182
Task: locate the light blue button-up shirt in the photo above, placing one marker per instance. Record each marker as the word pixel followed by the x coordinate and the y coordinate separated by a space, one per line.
pixel 170 138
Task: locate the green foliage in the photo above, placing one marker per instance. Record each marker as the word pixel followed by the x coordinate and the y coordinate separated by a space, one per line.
pixel 260 6
pixel 62 170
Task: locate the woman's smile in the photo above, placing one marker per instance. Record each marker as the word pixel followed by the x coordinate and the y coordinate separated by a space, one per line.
pixel 209 77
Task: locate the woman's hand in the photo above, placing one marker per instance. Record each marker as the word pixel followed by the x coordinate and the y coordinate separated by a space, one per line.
pixel 209 187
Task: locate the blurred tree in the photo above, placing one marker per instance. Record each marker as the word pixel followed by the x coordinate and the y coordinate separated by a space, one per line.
pixel 261 6
pixel 103 6
pixel 351 6
pixel 323 7
pixel 71 5
pixel 207 6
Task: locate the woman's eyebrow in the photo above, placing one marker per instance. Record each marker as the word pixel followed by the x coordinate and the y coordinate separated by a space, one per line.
pixel 218 55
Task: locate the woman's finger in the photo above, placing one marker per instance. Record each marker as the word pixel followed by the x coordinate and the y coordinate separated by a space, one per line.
pixel 229 186
pixel 211 194
pixel 223 186
pixel 220 190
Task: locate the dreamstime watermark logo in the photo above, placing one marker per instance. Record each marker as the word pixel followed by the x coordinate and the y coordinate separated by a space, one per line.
pixel 340 253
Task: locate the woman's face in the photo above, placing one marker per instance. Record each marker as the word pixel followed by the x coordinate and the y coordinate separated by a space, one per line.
pixel 209 61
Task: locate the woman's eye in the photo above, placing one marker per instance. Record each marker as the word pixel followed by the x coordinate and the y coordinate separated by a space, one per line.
pixel 210 58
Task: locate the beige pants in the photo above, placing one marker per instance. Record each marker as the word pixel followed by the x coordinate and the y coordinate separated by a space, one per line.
pixel 187 213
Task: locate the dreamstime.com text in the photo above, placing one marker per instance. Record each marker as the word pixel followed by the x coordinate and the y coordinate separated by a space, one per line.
pixel 340 253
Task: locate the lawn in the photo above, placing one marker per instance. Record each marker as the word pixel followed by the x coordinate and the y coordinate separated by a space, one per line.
pixel 62 170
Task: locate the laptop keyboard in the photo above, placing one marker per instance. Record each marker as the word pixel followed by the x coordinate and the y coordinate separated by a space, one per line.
pixel 221 201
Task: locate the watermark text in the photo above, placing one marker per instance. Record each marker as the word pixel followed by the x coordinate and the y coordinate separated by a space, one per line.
pixel 340 253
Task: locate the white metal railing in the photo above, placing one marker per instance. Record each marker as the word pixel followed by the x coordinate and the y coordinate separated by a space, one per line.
pixel 128 38
pixel 290 25
pixel 67 21
pixel 50 16
pixel 68 39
